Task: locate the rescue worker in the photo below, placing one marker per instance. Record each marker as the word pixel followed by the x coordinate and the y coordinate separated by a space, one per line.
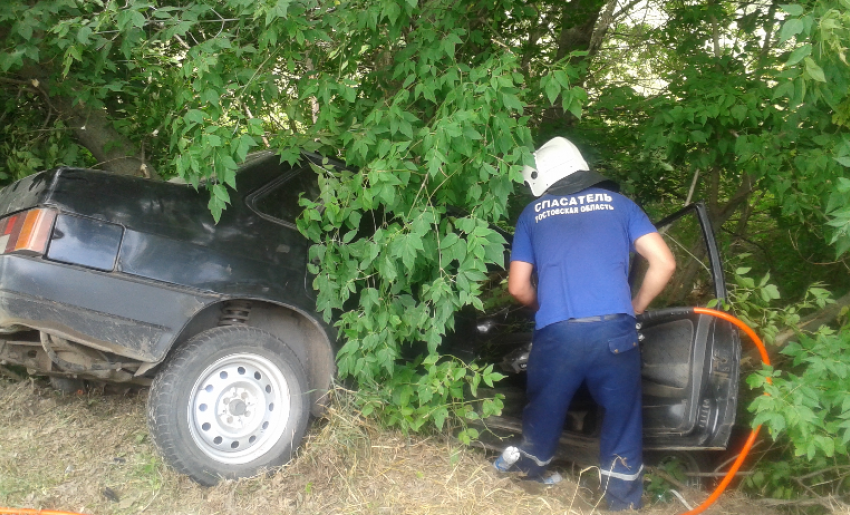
pixel 575 240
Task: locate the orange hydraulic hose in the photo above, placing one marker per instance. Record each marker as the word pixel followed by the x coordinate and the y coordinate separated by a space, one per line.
pixel 744 327
pixel 749 443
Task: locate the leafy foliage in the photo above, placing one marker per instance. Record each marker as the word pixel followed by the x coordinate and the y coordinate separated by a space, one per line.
pixel 756 303
pixel 437 160
pixel 802 401
pixel 811 407
pixel 803 404
pixel 806 409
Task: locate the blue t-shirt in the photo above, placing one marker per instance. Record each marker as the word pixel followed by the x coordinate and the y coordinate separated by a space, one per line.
pixel 579 245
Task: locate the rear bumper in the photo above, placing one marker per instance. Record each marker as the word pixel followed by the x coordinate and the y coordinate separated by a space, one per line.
pixel 112 312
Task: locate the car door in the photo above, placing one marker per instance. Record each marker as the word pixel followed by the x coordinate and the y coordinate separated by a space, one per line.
pixel 690 361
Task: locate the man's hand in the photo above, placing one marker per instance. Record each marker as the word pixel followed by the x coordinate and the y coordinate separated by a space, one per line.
pixel 520 286
pixel 662 264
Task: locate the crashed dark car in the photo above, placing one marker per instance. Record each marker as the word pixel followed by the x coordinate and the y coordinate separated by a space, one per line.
pixel 121 279
pixel 114 278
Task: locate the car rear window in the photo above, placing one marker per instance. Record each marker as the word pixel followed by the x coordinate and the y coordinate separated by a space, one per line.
pixel 281 200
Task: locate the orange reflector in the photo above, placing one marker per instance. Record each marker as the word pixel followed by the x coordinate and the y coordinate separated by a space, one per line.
pixel 15 224
pixel 8 223
pixel 28 231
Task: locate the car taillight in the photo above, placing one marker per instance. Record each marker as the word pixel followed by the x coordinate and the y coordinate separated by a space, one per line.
pixel 27 231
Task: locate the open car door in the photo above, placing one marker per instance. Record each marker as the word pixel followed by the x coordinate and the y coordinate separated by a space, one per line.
pixel 690 361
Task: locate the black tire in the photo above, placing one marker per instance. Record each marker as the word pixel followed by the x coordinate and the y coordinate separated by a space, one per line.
pixel 204 405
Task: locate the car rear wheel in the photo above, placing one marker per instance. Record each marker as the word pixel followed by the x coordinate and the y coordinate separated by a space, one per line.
pixel 229 403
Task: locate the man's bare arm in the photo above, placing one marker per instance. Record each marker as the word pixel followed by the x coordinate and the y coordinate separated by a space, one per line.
pixel 519 284
pixel 662 264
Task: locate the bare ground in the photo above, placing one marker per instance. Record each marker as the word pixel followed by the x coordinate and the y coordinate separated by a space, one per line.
pixel 91 453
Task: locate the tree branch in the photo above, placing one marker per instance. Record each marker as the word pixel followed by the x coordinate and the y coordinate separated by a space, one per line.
pixel 827 502
pixel 768 31
pixel 578 19
pixel 692 188
pixel 739 197
pixel 602 27
pixel 815 320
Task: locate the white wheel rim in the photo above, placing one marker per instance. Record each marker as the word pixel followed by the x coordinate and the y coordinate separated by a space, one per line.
pixel 238 408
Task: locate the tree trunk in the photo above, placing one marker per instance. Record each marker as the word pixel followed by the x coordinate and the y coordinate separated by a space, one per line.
pixel 94 130
pixel 601 28
pixel 577 23
pixel 578 20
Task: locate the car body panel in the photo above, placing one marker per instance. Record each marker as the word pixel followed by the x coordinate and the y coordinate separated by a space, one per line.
pixel 126 316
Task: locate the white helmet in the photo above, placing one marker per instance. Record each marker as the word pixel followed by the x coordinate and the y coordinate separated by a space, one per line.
pixel 556 159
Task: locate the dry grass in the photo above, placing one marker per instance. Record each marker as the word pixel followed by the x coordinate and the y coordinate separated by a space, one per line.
pixel 71 453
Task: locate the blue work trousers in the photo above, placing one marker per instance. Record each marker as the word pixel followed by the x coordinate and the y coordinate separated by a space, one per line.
pixel 603 352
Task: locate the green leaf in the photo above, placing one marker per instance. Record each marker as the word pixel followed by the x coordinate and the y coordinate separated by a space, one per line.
pixel 574 106
pixel 246 142
pixel 449 240
pixel 280 10
pixel 784 89
pixel 698 136
pixel 792 9
pixel 410 245
pixel 552 89
pixel 813 70
pixel 25 29
pixel 739 112
pixel 512 102
pixel 212 140
pixel 194 116
pixel 83 34
pixel 790 29
pixel 828 446
pixel 138 19
pixel 771 291
pixel 439 417
pixel 798 54
pixel 220 192
pixel 563 78
pixel 216 207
